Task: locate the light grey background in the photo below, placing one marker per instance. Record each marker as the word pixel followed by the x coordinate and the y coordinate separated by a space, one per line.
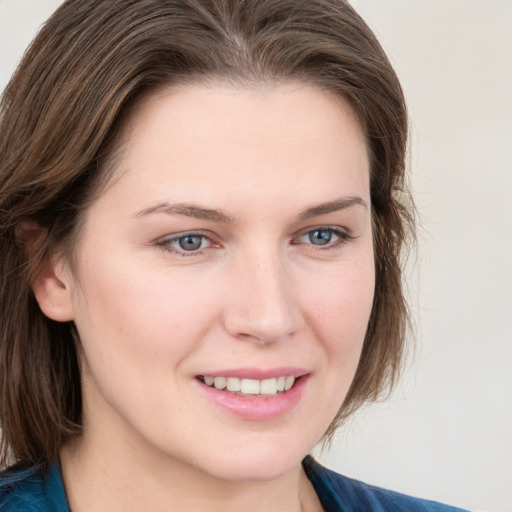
pixel 446 431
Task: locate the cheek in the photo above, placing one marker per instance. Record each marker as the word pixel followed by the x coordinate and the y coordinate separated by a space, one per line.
pixel 340 308
pixel 140 318
pixel 338 315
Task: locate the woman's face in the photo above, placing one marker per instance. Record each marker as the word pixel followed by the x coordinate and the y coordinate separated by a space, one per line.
pixel 234 247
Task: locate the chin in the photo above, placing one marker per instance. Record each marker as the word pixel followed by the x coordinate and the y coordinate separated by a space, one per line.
pixel 259 462
pixel 254 471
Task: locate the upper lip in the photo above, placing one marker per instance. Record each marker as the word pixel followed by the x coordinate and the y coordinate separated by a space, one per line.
pixel 258 373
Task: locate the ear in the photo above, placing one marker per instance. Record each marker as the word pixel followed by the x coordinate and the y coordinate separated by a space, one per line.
pixel 51 285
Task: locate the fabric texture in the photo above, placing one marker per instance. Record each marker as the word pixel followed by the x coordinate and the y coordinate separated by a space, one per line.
pixel 338 493
pixel 29 490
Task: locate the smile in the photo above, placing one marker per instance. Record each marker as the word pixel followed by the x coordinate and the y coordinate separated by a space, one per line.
pixel 255 394
pixel 248 387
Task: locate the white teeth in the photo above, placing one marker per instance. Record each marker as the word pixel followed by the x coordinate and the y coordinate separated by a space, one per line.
pixel 288 383
pixel 219 382
pixel 233 384
pixel 250 386
pixel 267 387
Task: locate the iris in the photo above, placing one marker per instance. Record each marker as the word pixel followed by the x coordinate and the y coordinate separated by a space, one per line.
pixel 190 242
pixel 320 236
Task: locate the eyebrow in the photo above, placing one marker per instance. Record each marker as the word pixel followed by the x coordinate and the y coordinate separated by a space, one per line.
pixel 332 206
pixel 198 212
pixel 188 210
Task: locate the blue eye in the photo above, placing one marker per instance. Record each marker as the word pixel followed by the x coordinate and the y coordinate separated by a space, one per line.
pixel 324 237
pixel 187 244
pixel 320 236
pixel 190 242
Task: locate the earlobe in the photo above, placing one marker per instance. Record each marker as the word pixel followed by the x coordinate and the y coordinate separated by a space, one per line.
pixel 51 282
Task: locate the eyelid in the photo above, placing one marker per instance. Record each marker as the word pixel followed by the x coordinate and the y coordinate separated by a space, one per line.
pixel 165 242
pixel 343 235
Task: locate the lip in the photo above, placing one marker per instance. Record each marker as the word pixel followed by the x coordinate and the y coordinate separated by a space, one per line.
pixel 256 408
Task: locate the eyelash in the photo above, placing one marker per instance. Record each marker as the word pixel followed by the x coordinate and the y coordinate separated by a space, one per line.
pixel 165 244
pixel 343 237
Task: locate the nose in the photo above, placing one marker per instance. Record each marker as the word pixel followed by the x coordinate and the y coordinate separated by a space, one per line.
pixel 262 306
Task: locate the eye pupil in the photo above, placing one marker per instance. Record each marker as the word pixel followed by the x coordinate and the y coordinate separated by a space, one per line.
pixel 190 242
pixel 320 237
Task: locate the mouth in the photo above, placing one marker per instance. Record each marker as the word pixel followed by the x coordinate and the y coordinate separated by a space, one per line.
pixel 255 394
pixel 250 387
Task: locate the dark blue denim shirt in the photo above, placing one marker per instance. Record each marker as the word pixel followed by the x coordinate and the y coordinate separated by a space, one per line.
pixel 338 493
pixel 31 491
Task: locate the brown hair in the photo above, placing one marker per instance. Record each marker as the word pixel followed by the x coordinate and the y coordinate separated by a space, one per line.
pixel 59 116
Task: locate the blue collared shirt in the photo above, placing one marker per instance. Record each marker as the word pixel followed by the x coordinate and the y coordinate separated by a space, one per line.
pixel 31 491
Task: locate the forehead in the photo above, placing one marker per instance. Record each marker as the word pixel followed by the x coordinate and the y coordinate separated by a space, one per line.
pixel 215 134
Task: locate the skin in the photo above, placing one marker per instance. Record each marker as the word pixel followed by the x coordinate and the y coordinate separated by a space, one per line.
pixel 259 292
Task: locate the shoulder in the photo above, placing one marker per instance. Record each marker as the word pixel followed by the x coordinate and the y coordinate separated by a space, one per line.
pixel 32 490
pixel 338 493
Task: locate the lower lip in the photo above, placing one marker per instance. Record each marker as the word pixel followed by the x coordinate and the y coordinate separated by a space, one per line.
pixel 257 407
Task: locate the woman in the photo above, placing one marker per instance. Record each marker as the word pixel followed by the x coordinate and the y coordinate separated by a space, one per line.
pixel 201 217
